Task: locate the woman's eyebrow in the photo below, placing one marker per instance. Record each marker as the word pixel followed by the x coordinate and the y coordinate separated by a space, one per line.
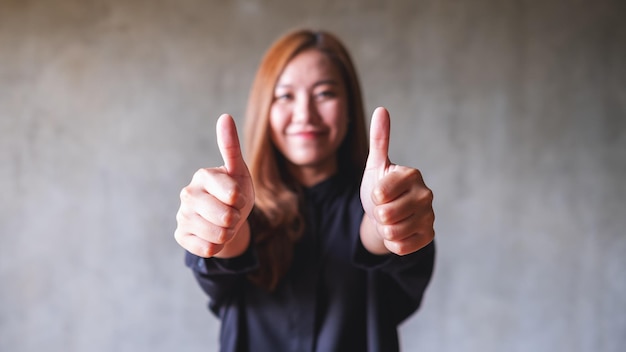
pixel 316 84
pixel 326 81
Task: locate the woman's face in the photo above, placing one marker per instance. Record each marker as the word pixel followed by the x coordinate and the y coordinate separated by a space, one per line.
pixel 309 116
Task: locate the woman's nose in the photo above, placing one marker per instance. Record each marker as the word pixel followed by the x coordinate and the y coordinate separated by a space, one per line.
pixel 304 110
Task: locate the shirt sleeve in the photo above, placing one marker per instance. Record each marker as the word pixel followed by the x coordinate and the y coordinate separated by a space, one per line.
pixel 400 281
pixel 220 278
pixel 391 263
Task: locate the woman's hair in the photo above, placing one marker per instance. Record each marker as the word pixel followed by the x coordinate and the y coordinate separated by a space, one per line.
pixel 276 220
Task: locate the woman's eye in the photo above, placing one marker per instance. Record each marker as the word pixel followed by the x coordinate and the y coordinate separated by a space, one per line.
pixel 283 97
pixel 326 94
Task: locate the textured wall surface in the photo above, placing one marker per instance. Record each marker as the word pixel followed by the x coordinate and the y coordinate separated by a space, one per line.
pixel 515 111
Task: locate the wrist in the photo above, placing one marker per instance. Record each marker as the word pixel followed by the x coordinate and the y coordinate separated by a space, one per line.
pixel 370 238
pixel 237 245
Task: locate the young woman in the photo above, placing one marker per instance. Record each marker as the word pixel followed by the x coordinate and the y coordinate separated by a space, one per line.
pixel 315 244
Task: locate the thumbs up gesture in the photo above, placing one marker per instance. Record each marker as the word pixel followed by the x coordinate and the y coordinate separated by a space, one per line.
pixel 399 216
pixel 212 218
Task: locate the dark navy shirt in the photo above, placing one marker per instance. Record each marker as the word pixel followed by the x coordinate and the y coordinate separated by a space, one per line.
pixel 336 295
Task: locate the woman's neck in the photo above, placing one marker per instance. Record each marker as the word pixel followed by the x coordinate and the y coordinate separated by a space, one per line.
pixel 309 176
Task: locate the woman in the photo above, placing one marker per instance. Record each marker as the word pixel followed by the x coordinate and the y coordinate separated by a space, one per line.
pixel 318 245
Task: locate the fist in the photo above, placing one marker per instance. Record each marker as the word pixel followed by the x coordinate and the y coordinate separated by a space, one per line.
pixel 397 203
pixel 216 203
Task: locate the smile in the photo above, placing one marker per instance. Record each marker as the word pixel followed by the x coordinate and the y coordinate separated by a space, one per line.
pixel 307 134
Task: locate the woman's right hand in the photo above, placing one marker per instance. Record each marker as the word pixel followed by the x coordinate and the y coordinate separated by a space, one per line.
pixel 214 207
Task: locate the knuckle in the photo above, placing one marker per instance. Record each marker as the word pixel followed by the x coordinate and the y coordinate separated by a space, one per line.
pixel 426 226
pixel 234 195
pixel 201 177
pixel 203 249
pixel 428 195
pixel 403 248
pixel 389 233
pixel 431 218
pixel 230 218
pixel 413 173
pixel 393 247
pixel 379 194
pixel 185 194
pixel 180 217
pixel 201 174
pixel 223 235
pixel 178 236
pixel 406 246
pixel 383 214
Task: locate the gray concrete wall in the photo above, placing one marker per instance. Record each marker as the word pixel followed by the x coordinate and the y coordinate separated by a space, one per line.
pixel 514 110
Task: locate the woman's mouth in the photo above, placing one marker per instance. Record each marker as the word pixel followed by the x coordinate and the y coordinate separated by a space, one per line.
pixel 307 135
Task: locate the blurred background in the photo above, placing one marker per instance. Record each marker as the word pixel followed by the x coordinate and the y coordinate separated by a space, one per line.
pixel 515 111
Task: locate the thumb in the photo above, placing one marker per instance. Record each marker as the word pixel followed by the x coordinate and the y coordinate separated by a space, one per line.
pixel 228 144
pixel 379 139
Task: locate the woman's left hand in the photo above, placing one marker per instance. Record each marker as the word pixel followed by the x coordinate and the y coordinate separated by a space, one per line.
pixel 399 216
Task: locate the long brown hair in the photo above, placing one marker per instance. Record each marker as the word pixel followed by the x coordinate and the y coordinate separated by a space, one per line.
pixel 276 220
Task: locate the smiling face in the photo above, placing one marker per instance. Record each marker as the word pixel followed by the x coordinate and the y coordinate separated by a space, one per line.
pixel 309 116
